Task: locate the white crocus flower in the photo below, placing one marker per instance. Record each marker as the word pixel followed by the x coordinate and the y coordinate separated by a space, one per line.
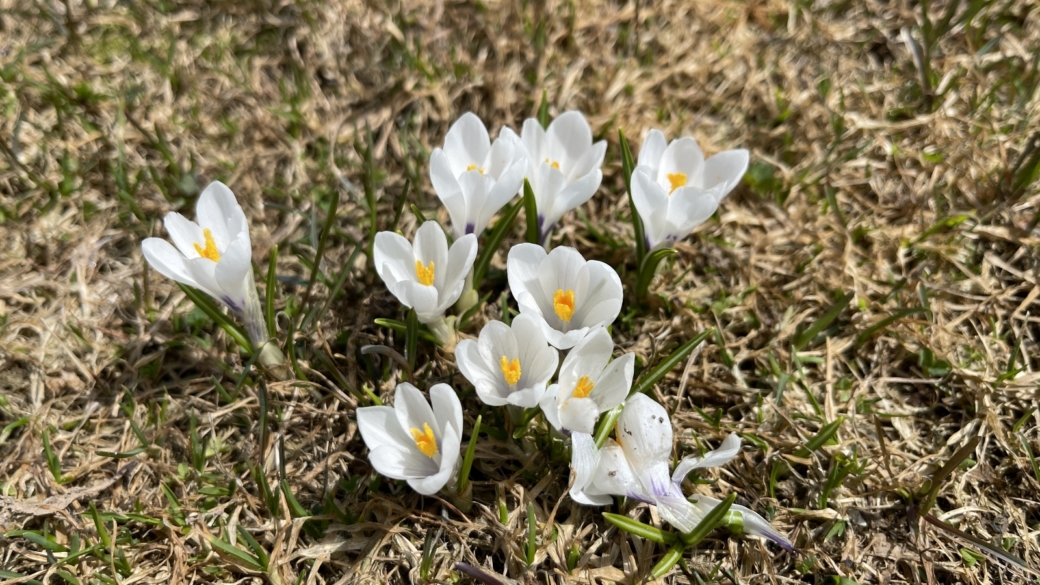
pixel 413 441
pixel 589 384
pixel 426 276
pixel 508 364
pixel 563 166
pixel 474 177
pixel 675 190
pixel 636 466
pixel 214 255
pixel 566 294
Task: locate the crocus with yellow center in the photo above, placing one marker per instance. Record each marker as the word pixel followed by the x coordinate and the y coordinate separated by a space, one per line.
pixel 415 440
pixel 567 295
pixel 508 364
pixel 589 384
pixel 674 189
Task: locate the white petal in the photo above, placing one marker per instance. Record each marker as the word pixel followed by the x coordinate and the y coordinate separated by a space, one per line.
pixel 549 406
pixel 724 454
pixel 588 358
pixel 602 297
pixel 503 191
pixel 538 358
pixel 614 475
pixel 167 261
pixel 467 143
pixel 533 136
pixel 479 208
pixel 412 410
pixel 447 188
pixel 459 262
pixel 689 208
pixel 645 431
pixel 234 272
pixel 431 245
pixel 682 156
pixel 584 460
pixel 547 183
pixel 573 196
pixel 759 526
pixel 567 138
pixel 475 369
pixel 652 150
pixel 578 415
pixel 528 397
pixel 379 427
pixel 185 234
pixel 450 449
pixel 561 340
pixel 725 168
pixel 522 265
pixel 218 210
pixel 651 201
pixel 591 160
pixel 613 385
pixel 396 463
pixel 679 512
pixel 421 298
pixel 506 151
pixel 393 258
pixel 446 407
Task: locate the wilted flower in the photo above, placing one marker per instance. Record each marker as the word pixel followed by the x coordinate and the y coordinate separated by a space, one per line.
pixel 564 166
pixel 474 177
pixel 675 190
pixel 589 384
pixel 509 364
pixel 413 441
pixel 214 255
pixel 567 295
pixel 425 276
pixel 636 466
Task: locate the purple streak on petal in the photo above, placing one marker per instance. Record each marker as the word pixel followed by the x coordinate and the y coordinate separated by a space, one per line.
pixel 470 227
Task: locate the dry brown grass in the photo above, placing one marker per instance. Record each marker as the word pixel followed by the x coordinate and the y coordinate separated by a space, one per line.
pixel 863 180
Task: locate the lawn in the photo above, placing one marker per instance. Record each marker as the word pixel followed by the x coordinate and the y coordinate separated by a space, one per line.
pixel 867 296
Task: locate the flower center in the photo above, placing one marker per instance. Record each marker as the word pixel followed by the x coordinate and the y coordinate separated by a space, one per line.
pixel 554 164
pixel 473 167
pixel 510 370
pixel 424 273
pixel 676 180
pixel 425 440
pixel 563 303
pixel 583 388
pixel 210 252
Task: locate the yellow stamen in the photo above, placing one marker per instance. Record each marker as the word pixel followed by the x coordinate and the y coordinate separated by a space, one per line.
pixel 554 164
pixel 473 167
pixel 510 370
pixel 424 273
pixel 425 440
pixel 583 388
pixel 210 252
pixel 563 303
pixel 676 180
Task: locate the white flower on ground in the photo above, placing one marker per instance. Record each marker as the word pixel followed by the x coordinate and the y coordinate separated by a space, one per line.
pixel 474 177
pixel 563 165
pixel 589 384
pixel 565 293
pixel 636 466
pixel 675 190
pixel 426 276
pixel 413 441
pixel 213 255
pixel 508 364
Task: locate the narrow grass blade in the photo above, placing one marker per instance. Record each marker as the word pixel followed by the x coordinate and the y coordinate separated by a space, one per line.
pixel 627 166
pixel 668 561
pixel 882 324
pixel 532 534
pixel 419 217
pixel 810 333
pixel 217 316
pixel 822 437
pixel 402 327
pixel 337 287
pixel 330 219
pixel 648 268
pixel 710 522
pixel 236 555
pixel 498 233
pixel 543 110
pixel 639 529
pixel 467 460
pixel 985 546
pixel 534 235
pixel 940 476
pixel 37 539
pixel 411 340
pixel 270 291
pixel 369 181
